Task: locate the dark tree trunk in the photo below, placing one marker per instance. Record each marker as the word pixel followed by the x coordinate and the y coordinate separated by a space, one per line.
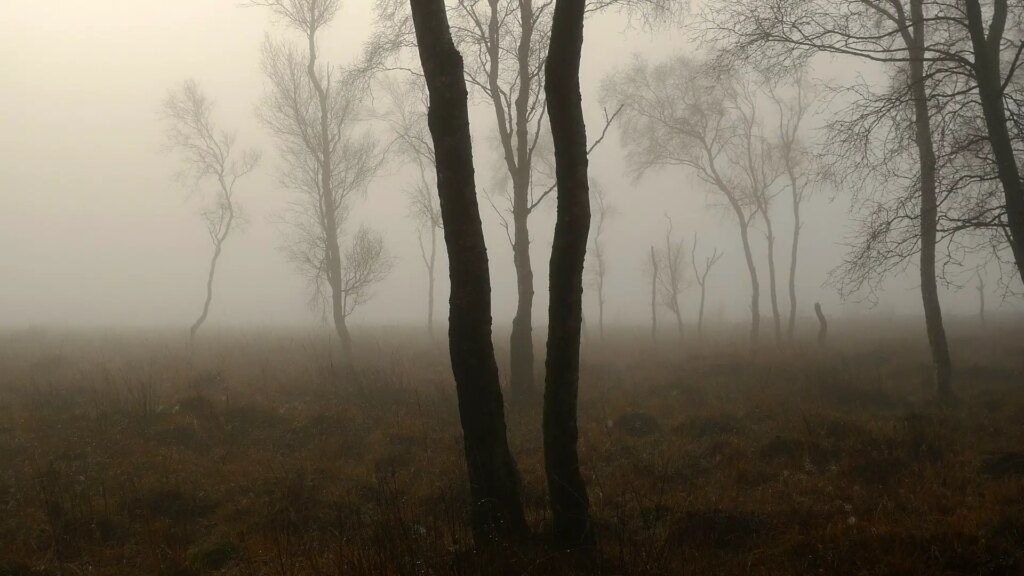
pixel 990 90
pixel 570 506
pixel 493 478
pixel 929 205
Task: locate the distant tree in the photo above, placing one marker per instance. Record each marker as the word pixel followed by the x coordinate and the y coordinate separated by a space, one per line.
pixel 207 154
pixel 822 324
pixel 312 110
pixel 981 299
pixel 567 491
pixel 599 267
pixel 684 113
pixel 701 276
pixel 493 477
pixel 670 276
pixel 897 33
pixel 407 117
pixel 796 160
pixel 653 273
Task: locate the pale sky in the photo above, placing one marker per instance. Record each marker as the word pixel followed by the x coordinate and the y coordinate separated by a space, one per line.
pixel 95 230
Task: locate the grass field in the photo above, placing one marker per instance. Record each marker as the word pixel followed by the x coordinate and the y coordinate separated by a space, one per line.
pixel 120 454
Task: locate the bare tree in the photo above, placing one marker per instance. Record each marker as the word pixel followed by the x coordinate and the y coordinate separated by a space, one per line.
pixel 599 269
pixel 758 160
pixel 822 324
pixel 670 276
pixel 981 299
pixel 407 117
pixel 505 43
pixel 567 491
pixel 701 276
pixel 681 113
pixel 493 478
pixel 312 110
pixel 892 32
pixel 207 154
pixel 796 159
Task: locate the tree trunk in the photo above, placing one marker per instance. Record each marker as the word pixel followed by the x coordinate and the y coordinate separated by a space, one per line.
pixel 929 206
pixel 794 249
pixel 981 300
pixel 493 477
pixel 209 295
pixel 776 316
pixel 822 324
pixel 990 90
pixel 654 295
pixel 431 268
pixel 570 506
pixel 600 304
pixel 679 322
pixel 755 286
pixel 700 312
pixel 521 377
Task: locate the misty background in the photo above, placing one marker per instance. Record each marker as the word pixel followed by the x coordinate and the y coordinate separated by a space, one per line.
pixel 96 230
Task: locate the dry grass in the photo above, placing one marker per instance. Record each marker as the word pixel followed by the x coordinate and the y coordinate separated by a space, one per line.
pixel 120 455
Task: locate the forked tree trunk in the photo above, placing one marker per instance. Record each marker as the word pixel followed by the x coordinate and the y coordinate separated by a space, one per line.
pixel 929 205
pixel 570 506
pixel 990 91
pixel 493 478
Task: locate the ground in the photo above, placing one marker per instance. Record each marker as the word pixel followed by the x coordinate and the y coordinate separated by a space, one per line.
pixel 121 453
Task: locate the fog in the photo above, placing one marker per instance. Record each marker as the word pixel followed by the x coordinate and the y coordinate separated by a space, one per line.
pixel 95 229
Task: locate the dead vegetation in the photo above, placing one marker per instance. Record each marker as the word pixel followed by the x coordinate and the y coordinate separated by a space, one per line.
pixel 121 456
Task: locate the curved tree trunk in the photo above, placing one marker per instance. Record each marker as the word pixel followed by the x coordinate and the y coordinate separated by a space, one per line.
pixel 570 506
pixel 218 244
pixel 521 377
pixel 929 206
pixel 755 286
pixel 493 477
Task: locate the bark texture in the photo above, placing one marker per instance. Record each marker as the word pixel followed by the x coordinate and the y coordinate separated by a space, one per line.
pixel 493 477
pixel 570 506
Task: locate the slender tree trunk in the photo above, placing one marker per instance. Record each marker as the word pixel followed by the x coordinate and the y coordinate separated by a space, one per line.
pixel 654 295
pixel 600 304
pixel 330 209
pixel 794 250
pixel 493 477
pixel 929 206
pixel 431 268
pixel 755 286
pixel 776 316
pixel 981 300
pixel 990 90
pixel 570 506
pixel 218 245
pixel 679 322
pixel 521 360
pixel 700 312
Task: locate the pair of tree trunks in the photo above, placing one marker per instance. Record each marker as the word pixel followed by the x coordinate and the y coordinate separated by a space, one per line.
pixel 494 485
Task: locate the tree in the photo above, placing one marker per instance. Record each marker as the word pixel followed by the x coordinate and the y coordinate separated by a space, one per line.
pixel 312 110
pixel 570 505
pixel 681 113
pixel 796 159
pixel 408 119
pixel 599 270
pixel 892 32
pixel 207 154
pixel 654 273
pixel 702 279
pixel 493 477
pixel 670 276
pixel 506 43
